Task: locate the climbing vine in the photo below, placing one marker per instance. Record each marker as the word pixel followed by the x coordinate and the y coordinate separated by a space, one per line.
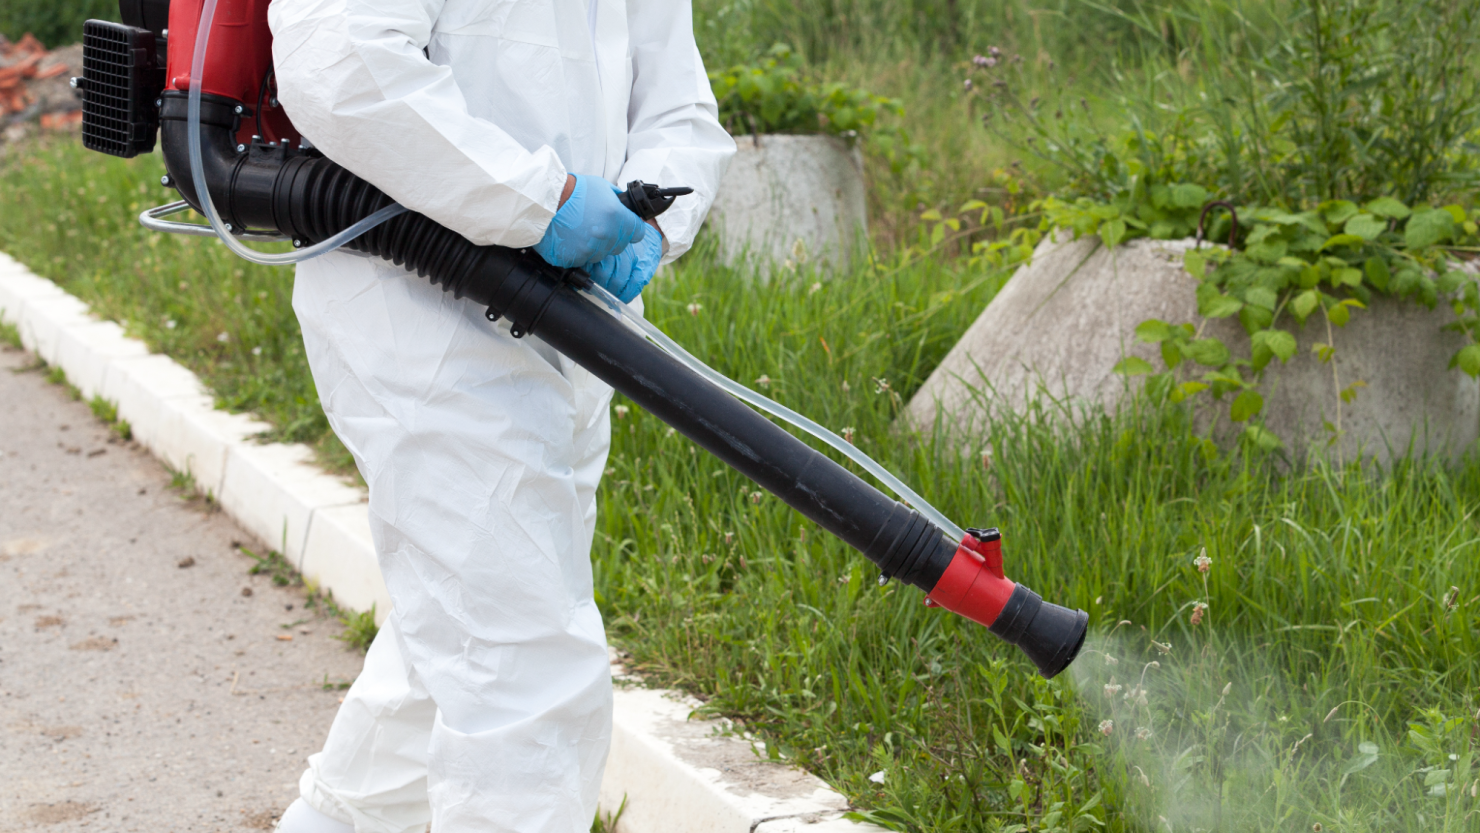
pixel 1284 270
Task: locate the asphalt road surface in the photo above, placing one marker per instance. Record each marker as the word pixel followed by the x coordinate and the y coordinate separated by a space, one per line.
pixel 147 682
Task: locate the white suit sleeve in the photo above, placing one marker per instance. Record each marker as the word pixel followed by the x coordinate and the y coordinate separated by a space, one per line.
pixel 673 131
pixel 352 76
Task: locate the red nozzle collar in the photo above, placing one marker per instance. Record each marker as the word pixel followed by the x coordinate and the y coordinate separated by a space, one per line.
pixel 974 585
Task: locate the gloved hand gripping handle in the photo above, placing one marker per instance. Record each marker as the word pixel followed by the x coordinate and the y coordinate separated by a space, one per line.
pixel 266 185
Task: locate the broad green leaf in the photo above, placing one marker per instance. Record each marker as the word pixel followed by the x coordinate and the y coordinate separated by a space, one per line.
pixel 1171 354
pixel 1304 303
pixel 1260 354
pixel 1187 389
pixel 1153 331
pixel 1281 342
pixel 1208 352
pixel 930 216
pixel 1219 306
pixel 1366 750
pixel 1262 437
pixel 1342 240
pixel 1195 264
pixel 1262 297
pixel 1428 227
pixel 1337 212
pixel 1349 394
pixel 1377 272
pixel 1188 195
pixel 1388 207
pixel 1270 251
pixel 1407 280
pixel 1248 404
pixel 1455 211
pixel 1338 314
pixel 1450 281
pixel 1346 276
pixel 1255 318
pixel 1133 366
pixel 1468 359
pixel 1323 351
pixel 1112 232
pixel 1231 381
pixel 1365 226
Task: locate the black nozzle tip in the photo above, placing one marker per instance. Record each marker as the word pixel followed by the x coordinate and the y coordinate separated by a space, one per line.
pixel 1050 635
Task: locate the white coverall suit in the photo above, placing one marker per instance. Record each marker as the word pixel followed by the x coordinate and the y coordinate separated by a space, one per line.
pixel 485 702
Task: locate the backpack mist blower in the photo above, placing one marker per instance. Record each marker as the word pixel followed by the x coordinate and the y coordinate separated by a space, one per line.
pixel 205 81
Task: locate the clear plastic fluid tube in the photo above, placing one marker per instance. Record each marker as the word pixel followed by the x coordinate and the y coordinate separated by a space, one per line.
pixel 198 176
pixel 776 409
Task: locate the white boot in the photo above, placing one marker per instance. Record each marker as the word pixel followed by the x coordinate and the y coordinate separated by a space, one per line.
pixel 301 818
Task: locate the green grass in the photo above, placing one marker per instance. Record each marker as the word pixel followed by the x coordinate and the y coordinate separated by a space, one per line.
pixel 1327 591
pixel 70 215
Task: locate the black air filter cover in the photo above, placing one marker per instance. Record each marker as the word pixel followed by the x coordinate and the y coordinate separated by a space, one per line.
pixel 121 79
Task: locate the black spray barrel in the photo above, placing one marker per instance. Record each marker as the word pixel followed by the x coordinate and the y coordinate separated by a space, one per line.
pixel 310 198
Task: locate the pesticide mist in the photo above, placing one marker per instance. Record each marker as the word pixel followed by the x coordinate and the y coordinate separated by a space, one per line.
pixel 1207 729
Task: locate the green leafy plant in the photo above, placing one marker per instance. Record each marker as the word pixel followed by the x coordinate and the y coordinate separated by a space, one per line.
pixel 1284 269
pixel 775 94
pixel 1274 104
pixel 359 627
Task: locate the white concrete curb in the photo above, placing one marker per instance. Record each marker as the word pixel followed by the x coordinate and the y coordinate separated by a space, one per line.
pixel 677 775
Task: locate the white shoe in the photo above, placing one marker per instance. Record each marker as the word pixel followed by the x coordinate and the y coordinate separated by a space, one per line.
pixel 301 818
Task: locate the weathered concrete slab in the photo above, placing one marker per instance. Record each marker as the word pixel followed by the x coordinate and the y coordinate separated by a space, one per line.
pixel 789 199
pixel 1061 324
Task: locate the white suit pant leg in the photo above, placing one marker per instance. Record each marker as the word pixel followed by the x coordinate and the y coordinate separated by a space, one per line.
pixel 482 453
pixel 372 771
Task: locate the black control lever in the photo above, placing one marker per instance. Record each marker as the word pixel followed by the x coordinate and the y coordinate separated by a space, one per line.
pixel 648 201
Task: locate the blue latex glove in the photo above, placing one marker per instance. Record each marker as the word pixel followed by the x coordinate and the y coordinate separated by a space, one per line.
pixel 591 225
pixel 626 273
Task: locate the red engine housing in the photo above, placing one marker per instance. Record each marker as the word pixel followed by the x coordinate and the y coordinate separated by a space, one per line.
pixel 238 62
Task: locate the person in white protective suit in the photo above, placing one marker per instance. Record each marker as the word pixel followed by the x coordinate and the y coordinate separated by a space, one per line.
pixel 485 701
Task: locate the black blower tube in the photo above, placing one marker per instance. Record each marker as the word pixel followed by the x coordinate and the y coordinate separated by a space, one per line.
pixel 310 198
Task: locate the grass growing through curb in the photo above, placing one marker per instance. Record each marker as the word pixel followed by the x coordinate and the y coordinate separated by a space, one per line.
pixel 359 627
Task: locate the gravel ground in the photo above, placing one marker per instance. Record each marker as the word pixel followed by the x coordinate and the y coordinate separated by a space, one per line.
pixel 147 682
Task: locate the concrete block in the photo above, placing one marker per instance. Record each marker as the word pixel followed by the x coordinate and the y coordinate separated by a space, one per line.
pixel 43 319
pixel 272 491
pixel 1061 324
pixel 340 555
pixel 680 775
pixel 144 388
pixel 791 199
pixel 85 352
pixel 195 438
